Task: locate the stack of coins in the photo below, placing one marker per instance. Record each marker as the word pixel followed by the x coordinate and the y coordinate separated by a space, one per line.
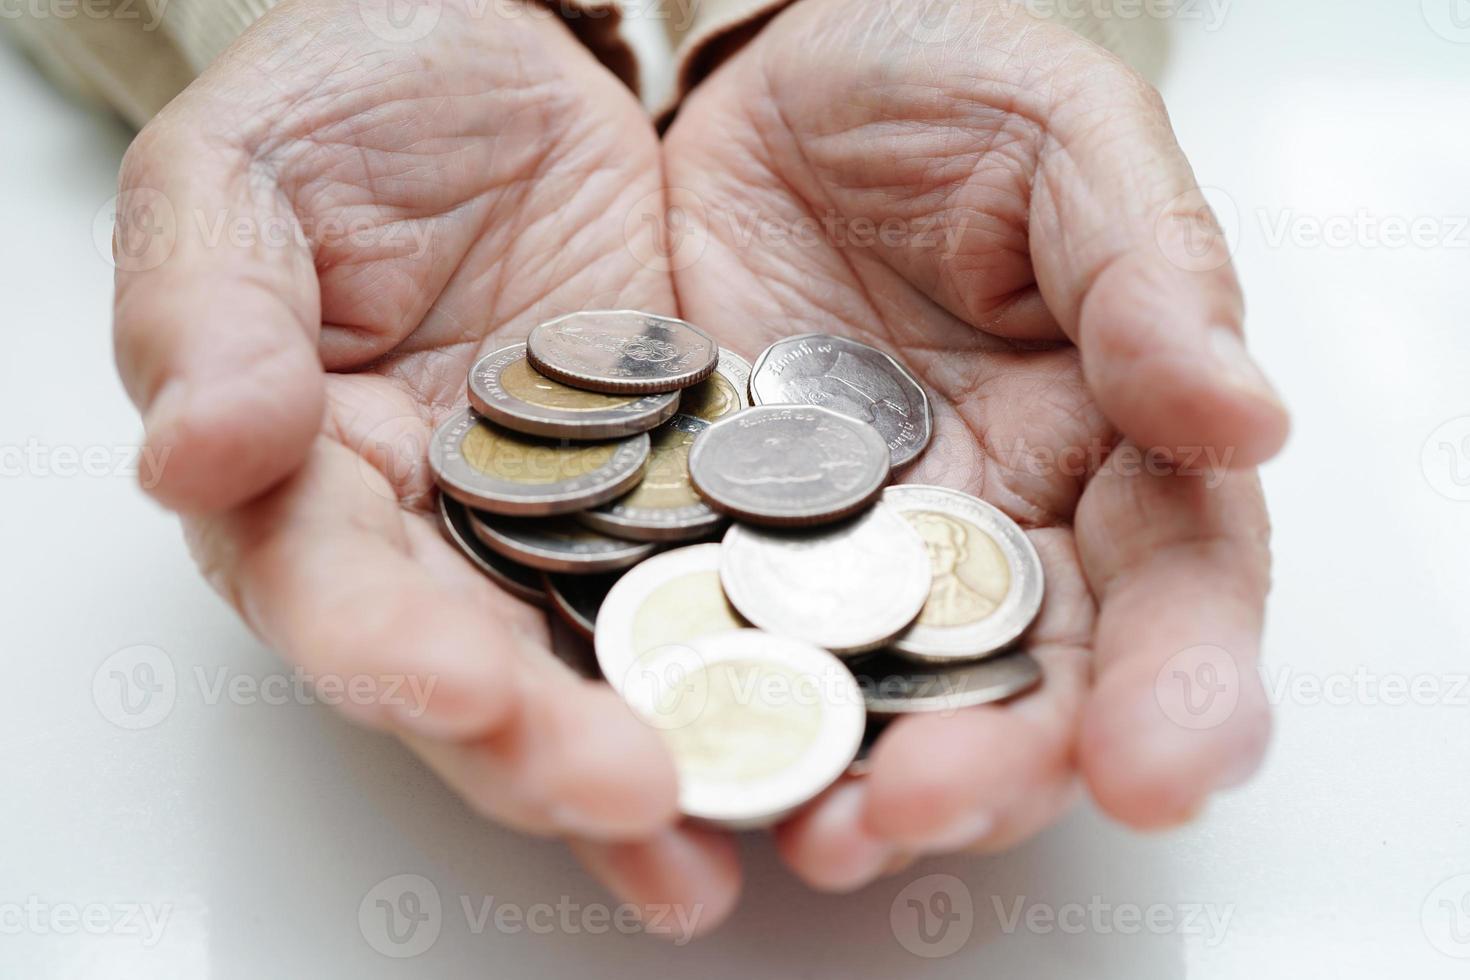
pixel 728 539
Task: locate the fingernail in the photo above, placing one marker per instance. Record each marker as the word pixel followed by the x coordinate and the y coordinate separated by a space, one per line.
pixel 1235 365
pixel 165 410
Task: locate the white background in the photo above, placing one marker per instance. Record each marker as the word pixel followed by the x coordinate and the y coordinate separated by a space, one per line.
pixel 259 829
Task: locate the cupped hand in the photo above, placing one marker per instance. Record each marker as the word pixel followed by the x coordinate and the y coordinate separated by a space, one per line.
pixel 1004 205
pixel 316 240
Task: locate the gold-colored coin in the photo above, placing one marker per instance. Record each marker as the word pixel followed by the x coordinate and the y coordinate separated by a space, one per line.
pixel 971 576
pixel 508 390
pixel 664 506
pixel 493 469
pixel 986 582
pixel 725 392
pixel 507 455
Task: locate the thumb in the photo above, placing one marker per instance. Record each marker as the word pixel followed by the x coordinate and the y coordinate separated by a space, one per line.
pixel 216 316
pixel 1130 259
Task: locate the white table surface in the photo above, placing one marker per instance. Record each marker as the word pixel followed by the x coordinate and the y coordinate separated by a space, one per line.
pixel 256 830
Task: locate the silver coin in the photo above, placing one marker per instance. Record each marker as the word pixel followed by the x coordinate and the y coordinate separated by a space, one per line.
pixel 849 588
pixel 892 685
pixel 723 393
pixel 757 724
pixel 664 506
pixel 578 598
pixel 522 582
pixel 506 389
pixel 617 351
pixel 988 581
pixel 669 599
pixel 556 544
pixel 852 378
pixel 495 469
pixel 789 465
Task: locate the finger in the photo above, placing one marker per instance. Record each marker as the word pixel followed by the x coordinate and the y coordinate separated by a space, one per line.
pixel 1181 569
pixel 828 846
pixel 947 782
pixel 324 569
pixel 684 881
pixel 1132 262
pixel 573 761
pixel 215 319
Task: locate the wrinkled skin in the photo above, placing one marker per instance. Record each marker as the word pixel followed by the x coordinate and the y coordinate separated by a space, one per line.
pixel 492 175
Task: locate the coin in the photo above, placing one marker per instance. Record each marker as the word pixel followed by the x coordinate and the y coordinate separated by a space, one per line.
pixel 988 581
pixel 723 393
pixel 892 685
pixel 757 724
pixel 522 582
pixel 620 351
pixel 507 390
pixel 664 506
pixel 578 598
pixel 492 468
pixel 786 465
pixel 556 544
pixel 848 588
pixel 852 378
pixel 668 599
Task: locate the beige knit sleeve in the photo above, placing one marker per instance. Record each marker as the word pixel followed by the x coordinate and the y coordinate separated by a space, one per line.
pixel 704 32
pixel 136 55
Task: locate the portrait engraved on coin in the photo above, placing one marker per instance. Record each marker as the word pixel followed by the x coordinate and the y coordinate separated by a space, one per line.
pixel 987 578
pixel 852 378
pixel 971 577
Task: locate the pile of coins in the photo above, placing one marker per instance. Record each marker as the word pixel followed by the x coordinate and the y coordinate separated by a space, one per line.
pixel 728 539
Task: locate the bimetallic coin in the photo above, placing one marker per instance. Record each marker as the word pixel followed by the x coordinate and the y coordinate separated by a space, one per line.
pixel 757 724
pixel 852 378
pixel 849 588
pixel 988 581
pixel 669 599
pixel 622 351
pixel 508 391
pixel 723 393
pixel 664 507
pixel 522 582
pixel 577 598
pixel 504 472
pixel 892 685
pixel 789 465
pixel 556 544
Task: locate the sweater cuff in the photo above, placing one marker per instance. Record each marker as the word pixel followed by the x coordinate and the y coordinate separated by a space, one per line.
pixel 706 32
